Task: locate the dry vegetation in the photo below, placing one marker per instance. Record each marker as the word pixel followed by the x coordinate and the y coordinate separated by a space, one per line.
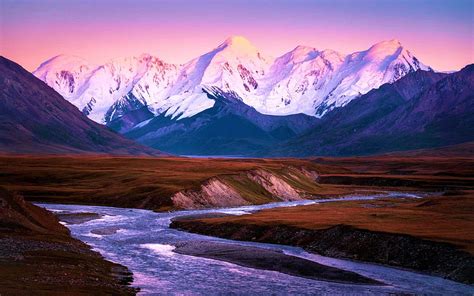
pixel 146 182
pixel 447 218
pixel 127 181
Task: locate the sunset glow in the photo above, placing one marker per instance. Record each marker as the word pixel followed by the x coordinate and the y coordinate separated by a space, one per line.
pixel 438 32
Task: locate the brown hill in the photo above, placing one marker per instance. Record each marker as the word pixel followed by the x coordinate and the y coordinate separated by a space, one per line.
pixel 38 256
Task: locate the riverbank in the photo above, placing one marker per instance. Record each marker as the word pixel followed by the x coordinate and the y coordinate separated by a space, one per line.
pixel 38 256
pixel 434 235
pixel 173 183
pixel 159 184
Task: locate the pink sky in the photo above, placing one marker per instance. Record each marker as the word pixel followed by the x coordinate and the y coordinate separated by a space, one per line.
pixel 439 33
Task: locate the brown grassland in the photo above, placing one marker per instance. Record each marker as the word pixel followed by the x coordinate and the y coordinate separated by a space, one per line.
pixel 125 181
pixel 146 182
pixel 447 218
pixel 141 182
pixel 129 182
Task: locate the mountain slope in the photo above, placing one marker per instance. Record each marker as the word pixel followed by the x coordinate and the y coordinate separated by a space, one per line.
pixel 230 127
pixel 304 80
pixel 315 82
pixel 36 119
pixel 101 90
pixel 422 110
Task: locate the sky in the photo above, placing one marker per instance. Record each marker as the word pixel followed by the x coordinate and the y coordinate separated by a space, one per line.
pixel 439 32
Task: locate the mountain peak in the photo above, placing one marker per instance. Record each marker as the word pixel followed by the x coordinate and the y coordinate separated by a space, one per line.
pixel 304 49
pixel 387 46
pixel 239 44
pixel 393 41
pixel 64 60
pixel 304 53
pixel 304 80
pixel 237 40
pixel 382 50
pixel 49 123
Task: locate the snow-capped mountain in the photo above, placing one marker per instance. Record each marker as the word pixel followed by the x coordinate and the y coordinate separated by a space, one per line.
pixel 235 65
pixel 314 82
pixel 304 80
pixel 101 92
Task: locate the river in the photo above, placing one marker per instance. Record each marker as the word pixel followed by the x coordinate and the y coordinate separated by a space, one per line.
pixel 144 243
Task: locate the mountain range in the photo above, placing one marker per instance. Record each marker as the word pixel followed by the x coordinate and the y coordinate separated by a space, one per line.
pixel 236 101
pixel 305 80
pixel 421 110
pixel 229 127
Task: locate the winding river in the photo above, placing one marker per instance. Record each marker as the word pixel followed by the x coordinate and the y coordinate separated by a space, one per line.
pixel 144 243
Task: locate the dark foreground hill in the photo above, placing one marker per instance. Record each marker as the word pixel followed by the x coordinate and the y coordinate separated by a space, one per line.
pixel 36 119
pixel 38 254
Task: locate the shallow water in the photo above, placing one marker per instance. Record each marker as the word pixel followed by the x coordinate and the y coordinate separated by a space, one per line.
pixel 145 245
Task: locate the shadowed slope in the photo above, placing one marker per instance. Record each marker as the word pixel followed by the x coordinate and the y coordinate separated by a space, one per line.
pixel 36 119
pixel 421 110
pixel 38 256
pixel 230 127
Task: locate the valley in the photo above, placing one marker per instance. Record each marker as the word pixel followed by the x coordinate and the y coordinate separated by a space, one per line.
pixel 160 183
pixel 441 222
pixel 432 235
pixel 236 147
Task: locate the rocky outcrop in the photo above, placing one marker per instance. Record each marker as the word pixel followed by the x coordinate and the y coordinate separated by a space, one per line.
pixel 249 187
pixel 313 175
pixel 275 185
pixel 212 193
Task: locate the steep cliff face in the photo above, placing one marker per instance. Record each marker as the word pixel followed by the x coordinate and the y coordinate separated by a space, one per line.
pixel 212 193
pixel 249 187
pixel 275 185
